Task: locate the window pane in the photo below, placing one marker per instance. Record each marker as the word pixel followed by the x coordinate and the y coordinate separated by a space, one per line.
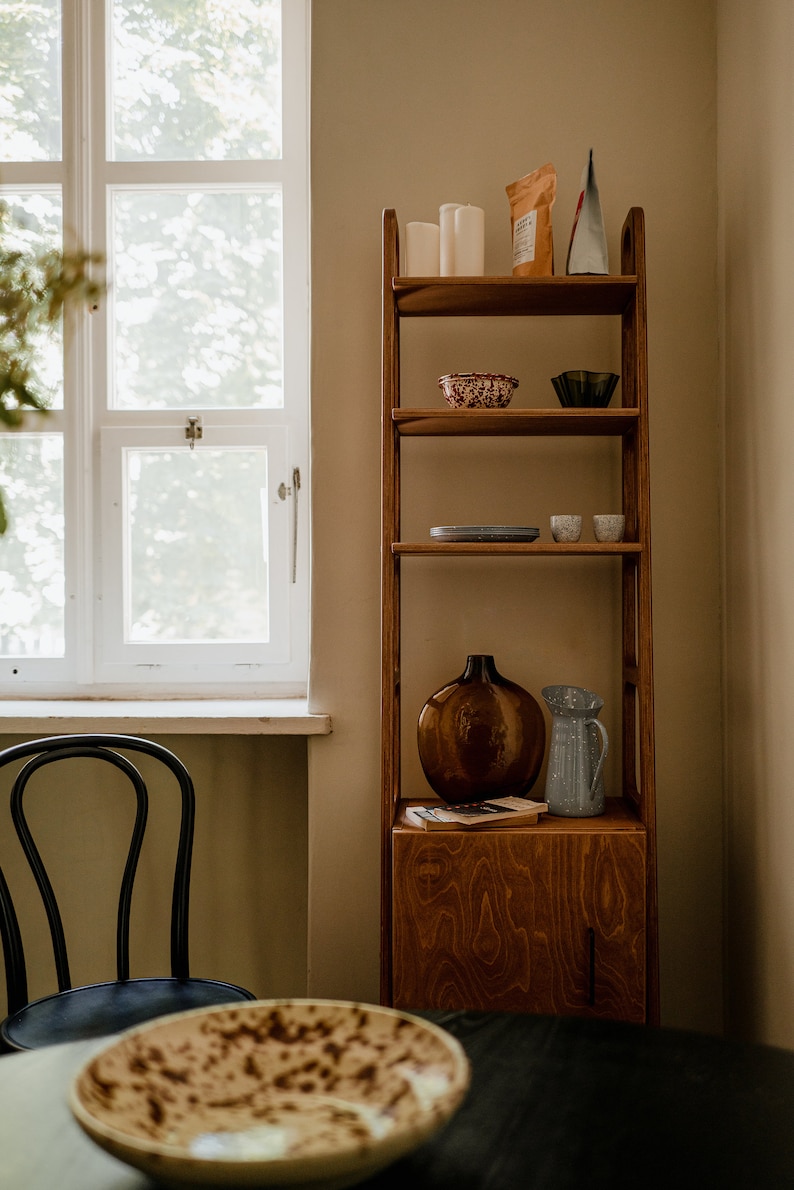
pixel 31 223
pixel 197 567
pixel 32 551
pixel 196 80
pixel 197 299
pixel 30 80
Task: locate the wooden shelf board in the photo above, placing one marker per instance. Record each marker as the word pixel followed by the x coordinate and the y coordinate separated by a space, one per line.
pixel 499 296
pixel 619 815
pixel 509 548
pixel 508 422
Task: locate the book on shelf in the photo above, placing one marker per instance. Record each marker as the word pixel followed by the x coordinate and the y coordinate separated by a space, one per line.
pixel 497 811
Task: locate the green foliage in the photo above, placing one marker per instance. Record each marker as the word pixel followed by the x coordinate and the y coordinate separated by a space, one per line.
pixel 34 289
pixel 197 295
pixel 197 80
pixel 30 104
pixel 195 570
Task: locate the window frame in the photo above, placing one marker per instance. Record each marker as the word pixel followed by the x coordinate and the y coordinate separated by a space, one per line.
pixel 86 168
pixel 124 658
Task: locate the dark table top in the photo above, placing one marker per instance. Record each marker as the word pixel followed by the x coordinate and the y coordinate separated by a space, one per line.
pixel 558 1103
pixel 555 1103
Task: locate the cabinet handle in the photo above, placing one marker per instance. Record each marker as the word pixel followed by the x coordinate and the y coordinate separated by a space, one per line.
pixel 591 936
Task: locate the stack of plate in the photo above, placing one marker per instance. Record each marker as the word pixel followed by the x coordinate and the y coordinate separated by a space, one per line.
pixel 484 533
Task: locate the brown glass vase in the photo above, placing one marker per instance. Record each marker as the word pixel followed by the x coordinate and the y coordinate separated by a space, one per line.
pixel 481 736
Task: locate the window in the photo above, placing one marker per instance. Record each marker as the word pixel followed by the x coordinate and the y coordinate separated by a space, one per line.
pixel 158 539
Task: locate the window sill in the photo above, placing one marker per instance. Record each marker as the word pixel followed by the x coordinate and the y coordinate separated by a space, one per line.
pixel 277 716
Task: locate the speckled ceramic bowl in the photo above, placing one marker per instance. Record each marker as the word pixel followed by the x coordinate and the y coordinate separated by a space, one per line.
pixel 477 390
pixel 302 1093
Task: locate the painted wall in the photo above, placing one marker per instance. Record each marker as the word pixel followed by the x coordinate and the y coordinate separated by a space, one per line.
pixel 756 183
pixel 415 104
pixel 248 889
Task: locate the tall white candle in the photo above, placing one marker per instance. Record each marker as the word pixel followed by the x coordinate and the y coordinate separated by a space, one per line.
pixel 421 249
pixel 469 241
pixel 446 222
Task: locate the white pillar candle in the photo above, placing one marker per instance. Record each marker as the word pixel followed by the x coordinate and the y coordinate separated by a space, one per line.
pixel 469 241
pixel 446 222
pixel 421 249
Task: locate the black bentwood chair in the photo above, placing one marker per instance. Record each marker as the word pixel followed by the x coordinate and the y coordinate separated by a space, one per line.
pixel 95 1010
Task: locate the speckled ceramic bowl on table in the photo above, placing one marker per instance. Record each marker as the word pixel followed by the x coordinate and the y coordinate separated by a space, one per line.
pixel 305 1093
pixel 477 390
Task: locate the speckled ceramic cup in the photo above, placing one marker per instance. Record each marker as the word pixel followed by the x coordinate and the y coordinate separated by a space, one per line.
pixel 566 527
pixel 609 526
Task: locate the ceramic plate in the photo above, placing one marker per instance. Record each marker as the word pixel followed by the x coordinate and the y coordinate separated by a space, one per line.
pixel 484 533
pixel 272 1092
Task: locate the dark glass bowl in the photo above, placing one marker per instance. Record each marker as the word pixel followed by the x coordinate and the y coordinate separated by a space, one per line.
pixel 585 389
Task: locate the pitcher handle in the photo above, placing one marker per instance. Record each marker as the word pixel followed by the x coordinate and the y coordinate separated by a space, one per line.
pixel 602 757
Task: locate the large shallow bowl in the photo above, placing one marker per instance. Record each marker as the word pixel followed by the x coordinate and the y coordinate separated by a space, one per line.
pixel 585 389
pixel 302 1093
pixel 477 390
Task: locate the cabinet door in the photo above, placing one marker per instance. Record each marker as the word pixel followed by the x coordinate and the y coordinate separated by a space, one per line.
pixel 522 921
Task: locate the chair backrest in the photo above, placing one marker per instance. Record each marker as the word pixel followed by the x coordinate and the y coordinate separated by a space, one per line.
pixel 33 756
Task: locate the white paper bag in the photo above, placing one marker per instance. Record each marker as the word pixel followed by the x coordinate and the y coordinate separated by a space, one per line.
pixel 587 251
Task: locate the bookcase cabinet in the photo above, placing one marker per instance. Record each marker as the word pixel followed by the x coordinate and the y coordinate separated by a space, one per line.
pixel 558 917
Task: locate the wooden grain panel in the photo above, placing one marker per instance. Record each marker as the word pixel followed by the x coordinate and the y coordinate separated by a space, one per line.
pixel 537 423
pixel 499 296
pixel 506 549
pixel 619 815
pixel 502 921
pixel 390 583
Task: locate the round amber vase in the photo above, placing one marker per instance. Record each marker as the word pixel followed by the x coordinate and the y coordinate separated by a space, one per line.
pixel 481 736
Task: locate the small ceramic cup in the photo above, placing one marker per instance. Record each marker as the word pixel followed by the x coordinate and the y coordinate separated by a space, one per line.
pixel 609 526
pixel 566 527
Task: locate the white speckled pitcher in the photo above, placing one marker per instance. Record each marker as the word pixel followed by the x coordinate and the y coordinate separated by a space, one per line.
pixel 578 749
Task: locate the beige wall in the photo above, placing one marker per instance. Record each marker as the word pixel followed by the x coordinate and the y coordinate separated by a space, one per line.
pixel 756 97
pixel 248 895
pixel 415 104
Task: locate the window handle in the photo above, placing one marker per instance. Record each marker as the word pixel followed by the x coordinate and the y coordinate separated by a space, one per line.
pixel 283 492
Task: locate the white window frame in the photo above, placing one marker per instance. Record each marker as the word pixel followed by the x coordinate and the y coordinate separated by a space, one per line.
pixel 122 659
pixel 94 666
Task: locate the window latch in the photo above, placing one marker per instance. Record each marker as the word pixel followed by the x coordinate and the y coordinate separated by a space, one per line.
pixel 194 431
pixel 283 491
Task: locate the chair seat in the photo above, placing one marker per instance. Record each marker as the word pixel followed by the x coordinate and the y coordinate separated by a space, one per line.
pixel 101 1009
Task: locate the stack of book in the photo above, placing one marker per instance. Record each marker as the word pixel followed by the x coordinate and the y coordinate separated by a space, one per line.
pixel 499 811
